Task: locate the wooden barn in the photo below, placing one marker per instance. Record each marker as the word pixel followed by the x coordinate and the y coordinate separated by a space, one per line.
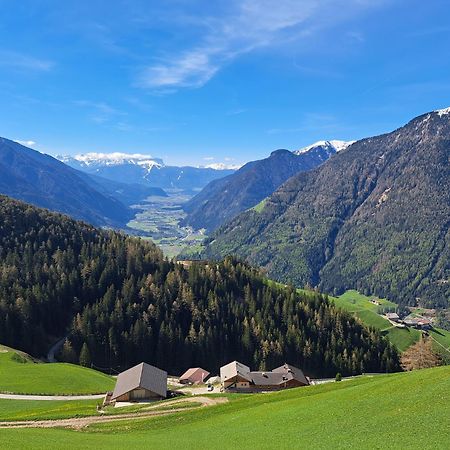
pixel 141 382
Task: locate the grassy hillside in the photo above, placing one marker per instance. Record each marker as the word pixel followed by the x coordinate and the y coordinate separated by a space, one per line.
pixel 46 409
pixel 402 338
pixel 20 374
pixel 405 410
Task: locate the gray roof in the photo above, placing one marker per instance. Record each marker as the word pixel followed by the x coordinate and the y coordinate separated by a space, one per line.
pixel 141 376
pixel 267 378
pixel 392 316
pixel 292 373
pixel 234 369
pixel 277 376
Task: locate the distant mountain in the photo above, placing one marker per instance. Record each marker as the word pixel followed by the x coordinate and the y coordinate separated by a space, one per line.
pixel 28 175
pixel 127 193
pixel 223 199
pixel 375 217
pixel 144 169
pixel 331 147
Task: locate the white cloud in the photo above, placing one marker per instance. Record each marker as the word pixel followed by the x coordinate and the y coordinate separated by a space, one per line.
pixel 25 143
pixel 100 112
pixel 246 26
pixel 222 166
pixel 22 62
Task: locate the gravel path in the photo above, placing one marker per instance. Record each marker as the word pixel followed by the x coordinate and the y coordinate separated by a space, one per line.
pixel 81 422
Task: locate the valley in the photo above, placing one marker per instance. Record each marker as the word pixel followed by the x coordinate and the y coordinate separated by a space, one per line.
pixel 225 225
pixel 158 218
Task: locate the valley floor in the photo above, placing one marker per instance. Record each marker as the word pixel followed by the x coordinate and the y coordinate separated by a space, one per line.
pixel 158 218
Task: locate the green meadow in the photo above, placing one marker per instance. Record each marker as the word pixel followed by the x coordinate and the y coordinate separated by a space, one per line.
pixel 402 338
pixel 21 374
pixel 404 410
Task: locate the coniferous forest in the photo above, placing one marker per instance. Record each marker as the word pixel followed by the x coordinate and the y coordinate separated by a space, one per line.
pixel 120 302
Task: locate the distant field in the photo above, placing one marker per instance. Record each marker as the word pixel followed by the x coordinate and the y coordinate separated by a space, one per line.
pixel 354 301
pixel 19 374
pixel 405 410
pixel 158 219
pixel 402 338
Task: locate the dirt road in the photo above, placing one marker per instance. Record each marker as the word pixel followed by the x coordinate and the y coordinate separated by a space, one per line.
pixel 81 422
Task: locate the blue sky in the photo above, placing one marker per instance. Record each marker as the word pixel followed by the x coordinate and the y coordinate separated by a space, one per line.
pixel 196 82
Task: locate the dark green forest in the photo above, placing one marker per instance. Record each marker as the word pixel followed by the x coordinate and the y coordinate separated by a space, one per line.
pixel 121 302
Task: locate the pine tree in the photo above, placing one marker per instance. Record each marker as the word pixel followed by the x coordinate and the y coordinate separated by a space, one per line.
pixel 85 356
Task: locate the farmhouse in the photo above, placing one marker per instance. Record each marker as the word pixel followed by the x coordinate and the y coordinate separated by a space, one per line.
pixel 239 377
pixel 393 316
pixel 141 382
pixel 419 323
pixel 194 375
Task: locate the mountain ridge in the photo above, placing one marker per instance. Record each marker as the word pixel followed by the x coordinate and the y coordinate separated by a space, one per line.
pixel 223 199
pixel 345 224
pixel 46 182
pixel 146 170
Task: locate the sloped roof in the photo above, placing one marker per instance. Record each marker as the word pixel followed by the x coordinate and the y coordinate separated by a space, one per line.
pixel 194 371
pixel 234 369
pixel 291 373
pixel 141 376
pixel 267 378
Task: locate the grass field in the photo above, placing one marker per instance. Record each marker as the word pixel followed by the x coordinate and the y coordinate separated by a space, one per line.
pixel 402 338
pixel 406 410
pixel 20 374
pixel 46 409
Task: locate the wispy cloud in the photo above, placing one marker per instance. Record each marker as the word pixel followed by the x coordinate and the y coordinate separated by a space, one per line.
pixel 99 112
pixel 25 143
pixel 23 62
pixel 247 25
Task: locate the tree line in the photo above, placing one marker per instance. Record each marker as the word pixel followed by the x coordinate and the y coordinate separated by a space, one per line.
pixel 121 302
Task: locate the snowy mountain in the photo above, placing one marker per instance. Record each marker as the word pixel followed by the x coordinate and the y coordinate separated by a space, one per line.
pixel 146 170
pixel 332 147
pixel 94 161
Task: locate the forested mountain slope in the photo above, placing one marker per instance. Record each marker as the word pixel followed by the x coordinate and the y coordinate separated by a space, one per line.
pixel 121 301
pixel 375 218
pixel 223 199
pixel 31 176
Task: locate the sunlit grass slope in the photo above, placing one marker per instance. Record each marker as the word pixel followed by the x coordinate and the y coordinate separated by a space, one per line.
pixel 20 374
pixel 405 410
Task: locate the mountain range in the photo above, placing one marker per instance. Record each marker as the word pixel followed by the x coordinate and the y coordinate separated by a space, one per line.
pixel 144 169
pixel 375 217
pixel 223 199
pixel 46 182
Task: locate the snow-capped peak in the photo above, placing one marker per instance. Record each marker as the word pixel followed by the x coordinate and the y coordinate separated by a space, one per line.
pixel 222 166
pixel 334 146
pixel 114 159
pixel 443 112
